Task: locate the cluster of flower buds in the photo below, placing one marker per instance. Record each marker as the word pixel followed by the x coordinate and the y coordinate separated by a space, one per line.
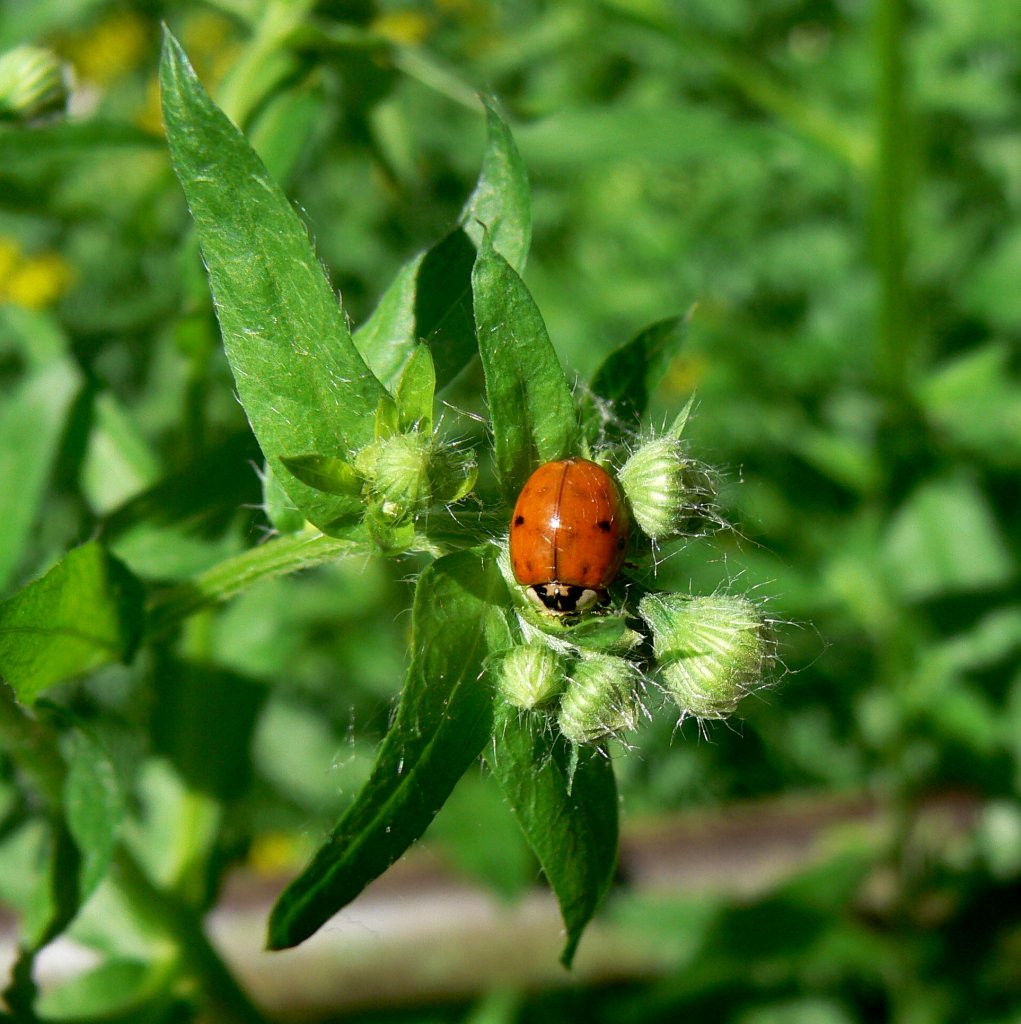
pixel 589 669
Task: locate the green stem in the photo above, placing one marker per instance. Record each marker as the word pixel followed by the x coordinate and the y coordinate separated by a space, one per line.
pixel 763 87
pixel 277 557
pixel 223 998
pixel 33 748
pixel 894 340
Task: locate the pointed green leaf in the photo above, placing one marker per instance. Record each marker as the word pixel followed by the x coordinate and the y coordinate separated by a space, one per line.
pixel 329 473
pixel 500 204
pixel 301 380
pixel 567 812
pixel 87 611
pixel 444 719
pixel 627 378
pixel 530 403
pixel 415 392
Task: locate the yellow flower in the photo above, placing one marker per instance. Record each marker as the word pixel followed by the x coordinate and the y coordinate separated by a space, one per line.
pixel 273 853
pixel 31 281
pixel 110 49
pixel 406 27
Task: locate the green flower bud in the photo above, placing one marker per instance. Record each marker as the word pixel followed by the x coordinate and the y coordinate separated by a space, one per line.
pixel 406 473
pixel 601 699
pixel 33 82
pixel 711 650
pixel 664 488
pixel 531 675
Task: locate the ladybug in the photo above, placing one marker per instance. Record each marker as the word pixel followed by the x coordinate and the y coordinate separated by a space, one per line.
pixel 568 535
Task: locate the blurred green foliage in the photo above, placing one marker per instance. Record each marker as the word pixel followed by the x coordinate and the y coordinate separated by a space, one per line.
pixel 834 183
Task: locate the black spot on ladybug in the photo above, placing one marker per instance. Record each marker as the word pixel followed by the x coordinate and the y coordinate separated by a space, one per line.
pixel 519 520
pixel 584 570
pixel 621 541
pixel 605 525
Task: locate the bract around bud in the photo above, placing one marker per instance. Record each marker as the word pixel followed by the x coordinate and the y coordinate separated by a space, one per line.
pixel 531 675
pixel 710 650
pixel 601 699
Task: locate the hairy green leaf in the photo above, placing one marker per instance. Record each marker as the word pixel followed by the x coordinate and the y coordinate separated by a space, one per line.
pixel 444 719
pixel 500 204
pixel 301 380
pixel 530 403
pixel 567 811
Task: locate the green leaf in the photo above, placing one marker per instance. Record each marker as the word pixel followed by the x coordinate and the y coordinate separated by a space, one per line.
pixel 567 812
pixel 94 805
pixel 87 611
pixel 115 987
pixel 119 463
pixel 32 422
pixel 284 517
pixel 415 392
pixel 945 539
pixel 203 721
pixel 329 473
pixel 530 404
pixel 300 378
pixel 627 378
pixel 500 204
pixel 387 339
pixel 444 719
pixel 430 299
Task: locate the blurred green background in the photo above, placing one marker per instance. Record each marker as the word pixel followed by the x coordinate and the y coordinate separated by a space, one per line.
pixel 836 184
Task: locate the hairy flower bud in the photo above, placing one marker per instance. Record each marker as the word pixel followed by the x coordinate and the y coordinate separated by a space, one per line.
pixel 531 675
pixel 33 82
pixel 664 488
pixel 601 699
pixel 711 650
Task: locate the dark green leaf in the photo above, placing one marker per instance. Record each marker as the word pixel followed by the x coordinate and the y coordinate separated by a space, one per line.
pixel 443 720
pixel 623 385
pixel 203 721
pixel 87 611
pixel 430 299
pixel 301 380
pixel 443 305
pixel 94 805
pixel 500 204
pixel 530 404
pixel 567 812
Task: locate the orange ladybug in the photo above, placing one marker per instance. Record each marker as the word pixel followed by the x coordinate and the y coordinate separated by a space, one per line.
pixel 568 535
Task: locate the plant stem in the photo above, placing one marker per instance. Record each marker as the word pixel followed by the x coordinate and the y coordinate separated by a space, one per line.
pixel 890 188
pixel 277 557
pixel 224 999
pixel 32 746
